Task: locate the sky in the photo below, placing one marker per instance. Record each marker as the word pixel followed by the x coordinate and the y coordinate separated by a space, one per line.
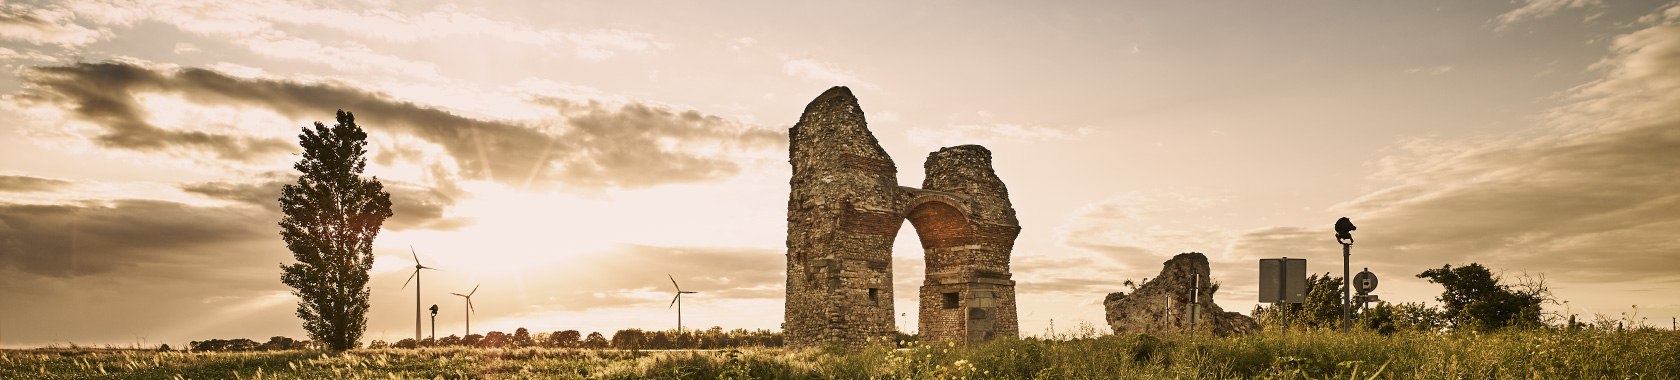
pixel 567 156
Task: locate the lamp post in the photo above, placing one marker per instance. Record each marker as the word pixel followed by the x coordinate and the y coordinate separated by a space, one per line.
pixel 434 323
pixel 1344 235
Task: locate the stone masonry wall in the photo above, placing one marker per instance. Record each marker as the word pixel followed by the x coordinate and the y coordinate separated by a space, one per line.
pixel 1161 305
pixel 844 210
pixel 974 265
pixel 842 219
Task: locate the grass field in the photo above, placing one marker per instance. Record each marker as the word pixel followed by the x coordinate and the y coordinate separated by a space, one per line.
pixel 1545 354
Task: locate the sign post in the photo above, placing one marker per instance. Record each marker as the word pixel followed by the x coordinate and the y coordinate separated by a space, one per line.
pixel 1283 282
pixel 1364 283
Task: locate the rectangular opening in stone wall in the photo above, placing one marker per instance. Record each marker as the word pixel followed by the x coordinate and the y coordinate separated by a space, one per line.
pixel 875 296
pixel 950 300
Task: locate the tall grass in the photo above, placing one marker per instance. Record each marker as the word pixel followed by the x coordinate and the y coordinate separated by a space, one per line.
pixel 1549 354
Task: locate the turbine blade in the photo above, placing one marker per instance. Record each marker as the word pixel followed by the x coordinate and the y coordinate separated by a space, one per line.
pixel 410 278
pixel 685 292
pixel 475 290
pixel 415 254
pixel 459 294
pixel 673 302
pixel 674 282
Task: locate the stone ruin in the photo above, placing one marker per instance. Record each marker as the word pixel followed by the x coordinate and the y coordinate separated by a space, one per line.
pixel 844 212
pixel 1162 304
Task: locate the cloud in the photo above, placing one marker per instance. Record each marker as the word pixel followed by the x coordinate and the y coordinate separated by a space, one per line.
pixel 636 274
pixel 104 94
pixel 1590 199
pixel 262 25
pixel 1080 272
pixel 1435 70
pixel 44 26
pixel 742 43
pixel 146 237
pixel 825 72
pixel 1669 14
pixel 636 145
pixel 350 56
pixel 1538 9
pixel 603 145
pixel 149 261
pixel 251 25
pixel 167 306
pixel 265 194
pixel 988 134
pixel 27 184
pixel 600 44
pixel 1133 228
pixel 13 57
pixel 137 237
pixel 1124 236
pixel 413 206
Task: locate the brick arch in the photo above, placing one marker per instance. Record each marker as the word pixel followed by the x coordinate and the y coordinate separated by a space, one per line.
pixel 948 235
pixel 918 197
pixel 940 225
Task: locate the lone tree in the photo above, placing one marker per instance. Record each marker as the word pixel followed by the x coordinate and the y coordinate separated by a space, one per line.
pixel 1475 298
pixel 332 215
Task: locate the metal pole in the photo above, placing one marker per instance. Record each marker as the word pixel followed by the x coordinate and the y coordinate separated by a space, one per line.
pixel 1283 292
pixel 1347 287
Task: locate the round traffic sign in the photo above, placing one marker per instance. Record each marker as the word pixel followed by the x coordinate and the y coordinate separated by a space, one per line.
pixel 1365 281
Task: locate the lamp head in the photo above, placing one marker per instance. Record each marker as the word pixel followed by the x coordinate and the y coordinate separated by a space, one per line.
pixel 434 310
pixel 1344 230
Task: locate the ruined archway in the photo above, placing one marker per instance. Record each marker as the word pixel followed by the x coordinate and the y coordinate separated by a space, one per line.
pixel 845 208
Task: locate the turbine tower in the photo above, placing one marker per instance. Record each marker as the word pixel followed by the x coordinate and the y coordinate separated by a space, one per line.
pixel 677 301
pixel 416 279
pixel 470 310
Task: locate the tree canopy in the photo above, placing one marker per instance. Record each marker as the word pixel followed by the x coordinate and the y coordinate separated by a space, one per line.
pixel 1474 298
pixel 331 216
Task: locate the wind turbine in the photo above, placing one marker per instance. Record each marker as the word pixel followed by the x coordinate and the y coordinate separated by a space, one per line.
pixel 677 301
pixel 470 310
pixel 416 279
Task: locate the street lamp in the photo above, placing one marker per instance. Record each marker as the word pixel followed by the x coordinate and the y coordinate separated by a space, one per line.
pixel 434 322
pixel 1344 235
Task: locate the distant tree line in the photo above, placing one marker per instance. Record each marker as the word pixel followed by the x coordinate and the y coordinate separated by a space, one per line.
pixel 628 339
pixel 278 343
pixel 1473 299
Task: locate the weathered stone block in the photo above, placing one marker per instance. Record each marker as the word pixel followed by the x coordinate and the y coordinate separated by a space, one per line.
pixel 1162 304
